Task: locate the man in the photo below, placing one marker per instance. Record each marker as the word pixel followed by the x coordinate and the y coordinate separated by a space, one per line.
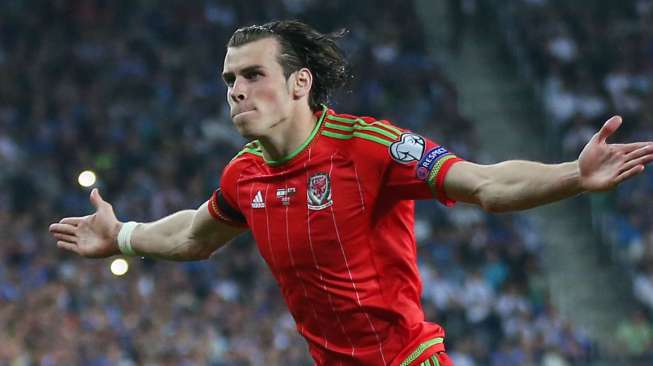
pixel 329 200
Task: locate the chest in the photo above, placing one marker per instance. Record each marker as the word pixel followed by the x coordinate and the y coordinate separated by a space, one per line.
pixel 309 210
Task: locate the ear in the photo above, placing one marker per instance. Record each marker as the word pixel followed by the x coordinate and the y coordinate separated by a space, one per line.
pixel 302 84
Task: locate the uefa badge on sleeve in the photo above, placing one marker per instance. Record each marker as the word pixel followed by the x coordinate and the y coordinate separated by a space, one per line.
pixel 408 148
pixel 319 191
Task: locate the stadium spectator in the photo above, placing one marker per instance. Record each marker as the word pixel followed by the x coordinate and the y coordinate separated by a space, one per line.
pixel 106 86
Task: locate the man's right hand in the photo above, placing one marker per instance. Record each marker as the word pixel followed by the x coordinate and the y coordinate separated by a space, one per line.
pixel 92 236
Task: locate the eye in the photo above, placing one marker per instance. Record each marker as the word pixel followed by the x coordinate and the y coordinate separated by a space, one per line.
pixel 253 76
pixel 229 81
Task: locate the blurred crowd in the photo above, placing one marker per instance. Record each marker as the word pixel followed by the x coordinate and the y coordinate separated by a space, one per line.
pixel 595 59
pixel 131 90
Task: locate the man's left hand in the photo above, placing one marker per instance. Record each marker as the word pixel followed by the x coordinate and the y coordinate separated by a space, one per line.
pixel 603 166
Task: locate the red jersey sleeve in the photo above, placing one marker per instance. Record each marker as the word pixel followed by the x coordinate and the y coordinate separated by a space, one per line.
pixel 416 167
pixel 223 205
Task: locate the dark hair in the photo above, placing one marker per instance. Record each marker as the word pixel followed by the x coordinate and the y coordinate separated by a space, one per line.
pixel 302 46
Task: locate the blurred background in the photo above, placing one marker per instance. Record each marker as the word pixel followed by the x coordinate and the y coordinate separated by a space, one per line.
pixel 131 91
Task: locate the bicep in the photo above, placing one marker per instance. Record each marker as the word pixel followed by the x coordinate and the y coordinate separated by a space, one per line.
pixel 209 232
pixel 465 182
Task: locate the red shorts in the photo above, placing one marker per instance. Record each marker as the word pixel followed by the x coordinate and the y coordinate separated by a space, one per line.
pixel 433 359
pixel 429 353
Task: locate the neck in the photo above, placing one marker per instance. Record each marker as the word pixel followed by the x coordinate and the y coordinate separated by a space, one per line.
pixel 288 135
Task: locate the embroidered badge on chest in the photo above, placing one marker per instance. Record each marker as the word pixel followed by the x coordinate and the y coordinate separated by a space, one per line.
pixel 319 191
pixel 409 148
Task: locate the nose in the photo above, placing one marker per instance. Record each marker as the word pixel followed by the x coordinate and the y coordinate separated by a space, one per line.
pixel 237 93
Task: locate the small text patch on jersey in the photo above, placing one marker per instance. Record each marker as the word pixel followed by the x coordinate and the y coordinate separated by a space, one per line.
pixel 284 195
pixel 425 164
pixel 409 148
pixel 319 191
pixel 258 202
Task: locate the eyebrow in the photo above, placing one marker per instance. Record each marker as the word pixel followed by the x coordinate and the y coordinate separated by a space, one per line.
pixel 245 70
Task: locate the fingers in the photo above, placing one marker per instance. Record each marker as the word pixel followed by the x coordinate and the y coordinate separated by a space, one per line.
pixel 68 246
pixel 72 220
pixel 609 127
pixel 65 234
pixel 629 173
pixel 628 148
pixel 641 152
pixel 641 161
pixel 65 237
pixel 96 199
pixel 63 229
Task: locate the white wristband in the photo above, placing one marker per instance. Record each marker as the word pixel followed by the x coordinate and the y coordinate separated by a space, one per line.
pixel 124 238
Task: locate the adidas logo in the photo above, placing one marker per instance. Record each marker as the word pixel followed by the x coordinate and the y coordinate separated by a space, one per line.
pixel 258 202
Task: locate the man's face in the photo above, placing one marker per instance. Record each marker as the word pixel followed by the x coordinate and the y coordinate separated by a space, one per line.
pixel 258 93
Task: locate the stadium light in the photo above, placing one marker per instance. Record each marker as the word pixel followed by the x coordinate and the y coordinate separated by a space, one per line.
pixel 86 178
pixel 119 267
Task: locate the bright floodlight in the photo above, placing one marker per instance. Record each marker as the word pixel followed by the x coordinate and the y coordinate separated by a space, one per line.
pixel 119 267
pixel 86 178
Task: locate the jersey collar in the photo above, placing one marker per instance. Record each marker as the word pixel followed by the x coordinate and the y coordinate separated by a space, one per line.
pixel 303 146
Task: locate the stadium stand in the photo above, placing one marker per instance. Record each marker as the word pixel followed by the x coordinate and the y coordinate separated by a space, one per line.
pixel 131 90
pixel 591 60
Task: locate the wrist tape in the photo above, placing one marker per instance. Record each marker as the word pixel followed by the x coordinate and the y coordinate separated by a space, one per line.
pixel 124 238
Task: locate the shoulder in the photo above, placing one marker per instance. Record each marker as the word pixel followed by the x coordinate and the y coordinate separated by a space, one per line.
pixel 250 150
pixel 247 157
pixel 360 133
pixel 374 138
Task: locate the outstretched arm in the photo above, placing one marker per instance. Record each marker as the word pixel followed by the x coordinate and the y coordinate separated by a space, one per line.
pixel 518 185
pixel 185 235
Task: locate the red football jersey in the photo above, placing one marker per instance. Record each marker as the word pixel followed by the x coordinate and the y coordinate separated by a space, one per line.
pixel 334 222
